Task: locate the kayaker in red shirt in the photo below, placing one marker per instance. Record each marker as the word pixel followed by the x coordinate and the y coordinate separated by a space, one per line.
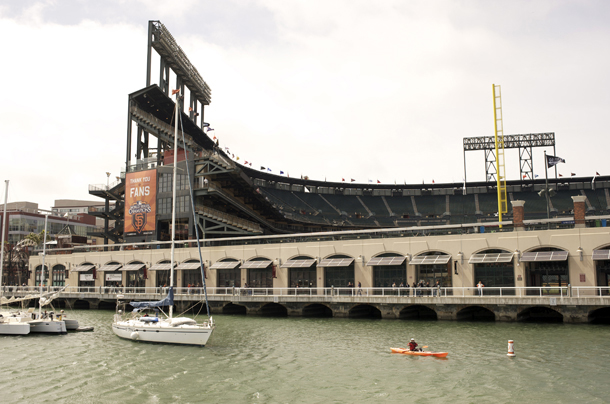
pixel 413 345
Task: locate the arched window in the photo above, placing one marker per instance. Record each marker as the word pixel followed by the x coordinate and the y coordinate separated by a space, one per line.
pixel 58 277
pixel 338 271
pixel 162 273
pixel 259 275
pixel 39 274
pixel 86 275
pixel 494 269
pixel 432 267
pixel 546 266
pixel 388 269
pixel 191 273
pixel 135 274
pixel 228 273
pixel 113 276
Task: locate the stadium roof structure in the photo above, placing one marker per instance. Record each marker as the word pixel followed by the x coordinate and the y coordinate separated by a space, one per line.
pixel 234 199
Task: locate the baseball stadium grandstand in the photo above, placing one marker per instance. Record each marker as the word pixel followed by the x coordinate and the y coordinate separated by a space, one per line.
pixel 232 199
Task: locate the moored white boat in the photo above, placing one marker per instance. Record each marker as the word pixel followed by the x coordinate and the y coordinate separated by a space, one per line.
pixel 10 327
pixel 169 330
pixel 176 330
pixel 48 326
pixel 10 323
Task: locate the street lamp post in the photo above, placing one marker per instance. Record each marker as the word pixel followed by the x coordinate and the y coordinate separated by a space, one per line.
pixel 107 180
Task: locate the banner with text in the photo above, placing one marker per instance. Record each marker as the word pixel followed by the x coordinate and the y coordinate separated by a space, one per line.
pixel 140 203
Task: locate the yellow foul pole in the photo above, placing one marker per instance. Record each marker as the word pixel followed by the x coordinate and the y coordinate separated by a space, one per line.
pixel 499 143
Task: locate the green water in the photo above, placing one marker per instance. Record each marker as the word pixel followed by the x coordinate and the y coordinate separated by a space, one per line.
pixel 302 360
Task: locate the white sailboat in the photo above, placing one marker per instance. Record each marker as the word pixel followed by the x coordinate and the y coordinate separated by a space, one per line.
pixel 22 322
pixel 169 329
pixel 10 324
pixel 46 323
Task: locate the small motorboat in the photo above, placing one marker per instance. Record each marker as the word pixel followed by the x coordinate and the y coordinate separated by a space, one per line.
pixel 407 351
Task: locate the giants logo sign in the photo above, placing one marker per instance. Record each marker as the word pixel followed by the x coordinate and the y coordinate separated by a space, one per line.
pixel 140 203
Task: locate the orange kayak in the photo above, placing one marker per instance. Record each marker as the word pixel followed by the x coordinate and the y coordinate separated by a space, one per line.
pixel 416 353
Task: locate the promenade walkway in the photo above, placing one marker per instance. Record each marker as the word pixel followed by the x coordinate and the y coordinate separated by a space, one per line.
pixel 567 304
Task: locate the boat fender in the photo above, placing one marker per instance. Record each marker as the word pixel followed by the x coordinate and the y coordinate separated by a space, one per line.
pixel 135 335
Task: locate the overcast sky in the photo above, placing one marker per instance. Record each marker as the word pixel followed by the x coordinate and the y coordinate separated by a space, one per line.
pixel 369 90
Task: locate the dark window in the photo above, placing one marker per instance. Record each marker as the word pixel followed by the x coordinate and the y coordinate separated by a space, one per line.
pixel 495 275
pixel 162 277
pixel 59 275
pixel 260 277
pixel 228 278
pixel 303 277
pixel 191 277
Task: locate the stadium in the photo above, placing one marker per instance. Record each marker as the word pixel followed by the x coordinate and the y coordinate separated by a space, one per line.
pixel 272 231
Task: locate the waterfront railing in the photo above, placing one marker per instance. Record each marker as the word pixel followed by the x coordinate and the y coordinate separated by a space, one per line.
pixel 398 292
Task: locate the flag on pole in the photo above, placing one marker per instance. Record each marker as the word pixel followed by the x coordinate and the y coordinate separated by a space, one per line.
pixel 343 179
pixel 176 91
pixel 560 175
pixel 268 169
pixel 353 180
pixel 262 168
pixel 596 173
pixel 378 182
pixel 552 161
pixel 208 129
pixel 573 174
pixel 281 172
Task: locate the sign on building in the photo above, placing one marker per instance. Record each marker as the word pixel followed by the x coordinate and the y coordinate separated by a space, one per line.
pixel 140 203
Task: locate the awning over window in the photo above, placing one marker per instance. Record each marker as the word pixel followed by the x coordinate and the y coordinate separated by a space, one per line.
pixel 298 263
pixel 336 262
pixel 256 264
pixel 83 268
pixel 430 259
pixel 133 267
pixel 188 265
pixel 601 255
pixel 109 268
pixel 385 261
pixel 544 256
pixel 225 265
pixel 164 266
pixel 490 258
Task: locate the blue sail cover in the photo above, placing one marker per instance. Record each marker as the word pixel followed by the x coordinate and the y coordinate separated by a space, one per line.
pixel 168 301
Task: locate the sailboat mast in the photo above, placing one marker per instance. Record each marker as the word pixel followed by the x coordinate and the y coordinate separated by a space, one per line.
pixel 44 252
pixel 3 230
pixel 171 276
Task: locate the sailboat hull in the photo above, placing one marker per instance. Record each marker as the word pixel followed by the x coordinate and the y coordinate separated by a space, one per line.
pixel 163 333
pixel 48 327
pixel 14 329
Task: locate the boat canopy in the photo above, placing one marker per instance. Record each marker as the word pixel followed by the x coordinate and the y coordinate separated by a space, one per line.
pixel 168 301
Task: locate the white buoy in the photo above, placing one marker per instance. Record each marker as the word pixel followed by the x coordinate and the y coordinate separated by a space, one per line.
pixel 511 348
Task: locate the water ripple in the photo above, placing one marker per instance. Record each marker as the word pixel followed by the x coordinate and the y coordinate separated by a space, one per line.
pixel 300 360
